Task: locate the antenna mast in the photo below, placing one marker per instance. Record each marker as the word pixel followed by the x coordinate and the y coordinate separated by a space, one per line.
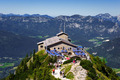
pixel 64 27
pixel 60 27
pixel 64 24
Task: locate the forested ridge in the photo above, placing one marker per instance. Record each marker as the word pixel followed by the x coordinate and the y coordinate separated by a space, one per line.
pixel 36 67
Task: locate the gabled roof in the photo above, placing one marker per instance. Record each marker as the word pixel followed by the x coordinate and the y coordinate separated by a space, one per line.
pixel 49 41
pixel 55 40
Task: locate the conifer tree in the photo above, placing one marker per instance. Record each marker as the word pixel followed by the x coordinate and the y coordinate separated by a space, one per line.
pixel 31 67
pixel 33 55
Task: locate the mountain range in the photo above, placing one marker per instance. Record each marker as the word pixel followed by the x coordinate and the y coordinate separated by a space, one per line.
pixel 87 26
pixel 24 31
pixel 19 34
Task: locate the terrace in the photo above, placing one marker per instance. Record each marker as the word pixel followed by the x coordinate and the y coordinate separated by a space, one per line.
pixel 65 52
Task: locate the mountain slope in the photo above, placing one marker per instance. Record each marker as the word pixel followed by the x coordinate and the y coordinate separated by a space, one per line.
pixel 12 45
pixel 37 67
pixel 109 50
pixel 108 17
pixel 80 28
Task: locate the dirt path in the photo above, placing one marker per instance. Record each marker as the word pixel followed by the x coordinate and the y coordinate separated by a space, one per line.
pixel 77 70
pixel 57 74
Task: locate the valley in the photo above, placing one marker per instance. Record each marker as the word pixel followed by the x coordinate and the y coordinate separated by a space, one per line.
pixel 97 41
pixel 8 65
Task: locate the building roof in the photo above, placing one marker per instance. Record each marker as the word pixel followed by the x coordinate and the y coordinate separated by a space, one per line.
pixel 61 33
pixel 54 40
pixel 40 42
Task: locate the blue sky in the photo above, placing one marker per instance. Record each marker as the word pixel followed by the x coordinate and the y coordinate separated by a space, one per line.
pixel 60 7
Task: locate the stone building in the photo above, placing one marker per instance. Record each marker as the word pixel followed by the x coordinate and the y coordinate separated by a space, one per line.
pixel 58 42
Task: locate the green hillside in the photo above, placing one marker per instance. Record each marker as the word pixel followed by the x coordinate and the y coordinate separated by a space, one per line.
pixel 36 67
pixel 13 47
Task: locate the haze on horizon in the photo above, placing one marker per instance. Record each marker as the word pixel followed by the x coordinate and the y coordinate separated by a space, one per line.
pixel 60 7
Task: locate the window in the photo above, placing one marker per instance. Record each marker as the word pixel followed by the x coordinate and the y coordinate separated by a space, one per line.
pixel 63 47
pixel 41 46
pixel 58 48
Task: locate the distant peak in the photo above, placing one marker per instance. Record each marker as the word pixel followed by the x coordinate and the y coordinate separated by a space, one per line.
pixel 76 15
pixel 26 15
pixel 105 14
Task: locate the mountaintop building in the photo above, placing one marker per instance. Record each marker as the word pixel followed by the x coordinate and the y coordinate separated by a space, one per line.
pixel 58 42
pixel 60 45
